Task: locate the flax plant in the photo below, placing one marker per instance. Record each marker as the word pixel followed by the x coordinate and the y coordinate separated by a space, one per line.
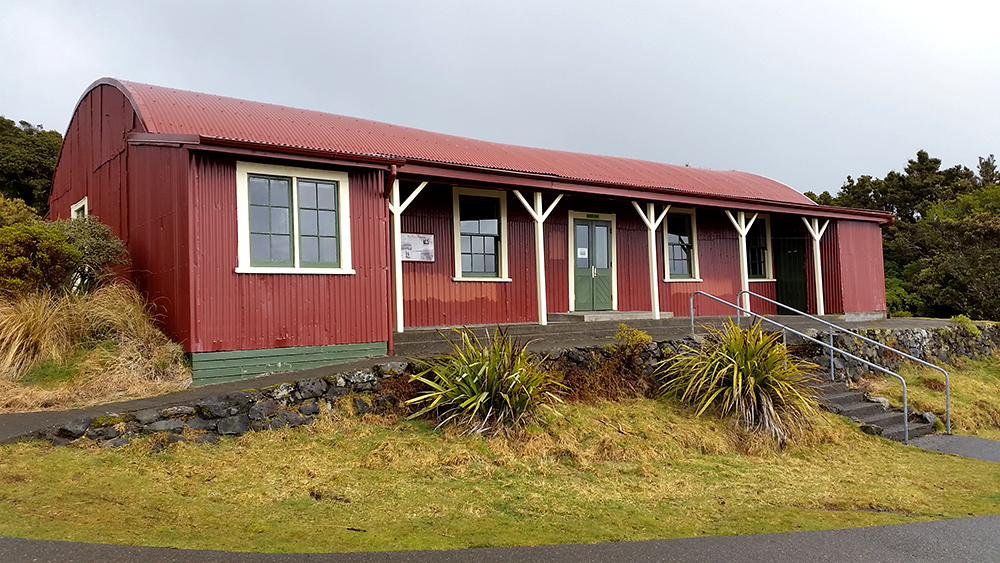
pixel 485 386
pixel 748 376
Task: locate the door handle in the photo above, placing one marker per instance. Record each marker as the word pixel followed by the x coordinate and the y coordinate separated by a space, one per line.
pixel 593 271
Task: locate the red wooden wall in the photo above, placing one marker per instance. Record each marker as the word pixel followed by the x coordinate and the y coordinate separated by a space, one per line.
pixel 250 311
pixel 861 271
pixel 93 161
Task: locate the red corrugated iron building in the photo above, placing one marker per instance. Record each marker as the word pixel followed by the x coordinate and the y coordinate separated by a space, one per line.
pixel 270 237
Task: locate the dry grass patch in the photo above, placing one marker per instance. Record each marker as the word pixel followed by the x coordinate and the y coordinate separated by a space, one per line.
pixel 60 351
pixel 975 394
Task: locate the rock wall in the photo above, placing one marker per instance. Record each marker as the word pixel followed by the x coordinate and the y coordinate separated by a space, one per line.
pixel 298 402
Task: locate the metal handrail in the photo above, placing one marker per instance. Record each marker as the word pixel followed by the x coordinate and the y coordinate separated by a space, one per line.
pixel 906 422
pixel 947 384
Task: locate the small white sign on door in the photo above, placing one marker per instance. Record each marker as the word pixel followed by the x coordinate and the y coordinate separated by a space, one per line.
pixel 581 253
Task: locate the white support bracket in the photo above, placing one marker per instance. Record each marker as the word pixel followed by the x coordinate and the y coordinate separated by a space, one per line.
pixel 652 222
pixel 539 215
pixel 743 228
pixel 397 255
pixel 816 232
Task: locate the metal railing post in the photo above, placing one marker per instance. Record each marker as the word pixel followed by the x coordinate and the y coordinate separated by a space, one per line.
pixel 846 354
pixel 947 379
pixel 833 376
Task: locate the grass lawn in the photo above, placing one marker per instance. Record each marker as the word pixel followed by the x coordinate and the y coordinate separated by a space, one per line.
pixel 634 470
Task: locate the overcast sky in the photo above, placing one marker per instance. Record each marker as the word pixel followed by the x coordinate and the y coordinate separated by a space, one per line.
pixel 803 92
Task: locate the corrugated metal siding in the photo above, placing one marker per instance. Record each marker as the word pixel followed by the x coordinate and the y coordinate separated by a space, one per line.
pixel 833 289
pixel 170 111
pixel 159 245
pixel 252 311
pixel 861 270
pixel 432 298
pixel 93 160
pixel 719 267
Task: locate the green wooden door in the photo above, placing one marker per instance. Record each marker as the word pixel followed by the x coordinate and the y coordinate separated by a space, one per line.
pixel 592 265
pixel 790 273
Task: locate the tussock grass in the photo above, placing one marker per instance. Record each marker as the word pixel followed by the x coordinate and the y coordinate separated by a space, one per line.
pixel 748 376
pixel 639 469
pixel 975 393
pixel 106 340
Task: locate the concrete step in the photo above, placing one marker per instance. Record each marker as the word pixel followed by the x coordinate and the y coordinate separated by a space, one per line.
pixel 861 410
pixel 887 418
pixel 845 398
pixel 917 429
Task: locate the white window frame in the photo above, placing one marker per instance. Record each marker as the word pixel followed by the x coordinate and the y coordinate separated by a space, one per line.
pixel 768 258
pixel 457 233
pixel 246 169
pixel 77 207
pixel 696 262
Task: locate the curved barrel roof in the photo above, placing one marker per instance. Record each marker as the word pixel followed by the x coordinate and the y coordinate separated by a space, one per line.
pixel 180 112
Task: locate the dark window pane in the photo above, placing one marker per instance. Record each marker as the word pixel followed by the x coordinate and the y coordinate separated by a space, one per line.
pixel 307 223
pixel 281 248
pixel 680 251
pixel 327 223
pixel 471 227
pixel 489 226
pixel 309 249
pixel 328 250
pixel 582 246
pixel 258 191
pixel 326 196
pixel 260 247
pixel 279 192
pixel 279 221
pixel 601 247
pixel 479 225
pixel 307 194
pixel 260 219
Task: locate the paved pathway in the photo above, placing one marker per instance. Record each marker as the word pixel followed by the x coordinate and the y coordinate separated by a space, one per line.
pixel 972 540
pixel 965 446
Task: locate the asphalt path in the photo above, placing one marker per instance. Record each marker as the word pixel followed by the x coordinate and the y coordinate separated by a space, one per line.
pixel 952 541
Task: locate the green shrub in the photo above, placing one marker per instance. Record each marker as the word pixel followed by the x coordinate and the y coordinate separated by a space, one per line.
pixel 747 375
pixel 484 386
pixel 100 251
pixel 966 323
pixel 33 258
pixel 14 211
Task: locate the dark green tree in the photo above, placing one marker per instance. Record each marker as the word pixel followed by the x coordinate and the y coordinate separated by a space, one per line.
pixel 28 156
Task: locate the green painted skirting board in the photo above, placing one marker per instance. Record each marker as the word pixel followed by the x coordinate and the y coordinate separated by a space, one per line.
pixel 218 367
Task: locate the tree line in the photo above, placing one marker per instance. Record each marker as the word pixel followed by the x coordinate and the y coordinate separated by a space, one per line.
pixel 942 254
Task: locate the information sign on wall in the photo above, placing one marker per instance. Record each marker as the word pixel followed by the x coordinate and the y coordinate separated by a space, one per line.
pixel 417 248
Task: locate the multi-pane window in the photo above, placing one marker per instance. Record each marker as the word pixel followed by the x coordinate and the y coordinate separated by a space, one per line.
pixel 680 246
pixel 318 223
pixel 757 249
pixel 292 220
pixel 479 235
pixel 270 200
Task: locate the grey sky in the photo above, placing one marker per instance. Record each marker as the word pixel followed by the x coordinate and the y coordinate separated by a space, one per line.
pixel 803 92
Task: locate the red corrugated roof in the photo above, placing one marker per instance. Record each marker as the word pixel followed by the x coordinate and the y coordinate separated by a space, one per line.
pixel 170 111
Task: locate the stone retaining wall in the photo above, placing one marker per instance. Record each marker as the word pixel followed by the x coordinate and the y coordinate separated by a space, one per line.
pixel 297 403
